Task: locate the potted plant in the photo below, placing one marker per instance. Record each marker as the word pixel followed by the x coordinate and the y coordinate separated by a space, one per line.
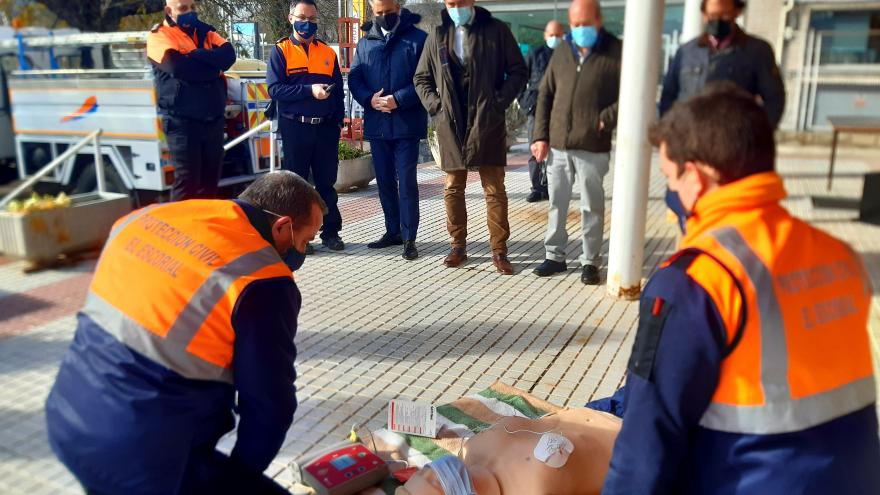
pixel 355 168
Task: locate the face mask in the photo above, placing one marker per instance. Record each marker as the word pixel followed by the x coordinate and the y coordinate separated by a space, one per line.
pixel 673 202
pixel 460 15
pixel 584 36
pixel 188 20
pixel 453 476
pixel 719 29
pixel 553 42
pixel 305 29
pixel 293 258
pixel 388 21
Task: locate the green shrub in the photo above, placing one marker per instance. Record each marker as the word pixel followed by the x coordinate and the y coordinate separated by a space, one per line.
pixel 348 152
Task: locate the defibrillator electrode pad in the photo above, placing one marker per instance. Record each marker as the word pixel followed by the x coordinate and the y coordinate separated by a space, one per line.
pixel 553 450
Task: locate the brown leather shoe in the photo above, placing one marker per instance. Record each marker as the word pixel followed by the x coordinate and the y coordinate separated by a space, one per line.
pixel 456 257
pixel 502 264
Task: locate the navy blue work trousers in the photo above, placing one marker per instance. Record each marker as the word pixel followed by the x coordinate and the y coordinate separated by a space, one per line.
pixel 314 148
pixel 395 161
pixel 196 149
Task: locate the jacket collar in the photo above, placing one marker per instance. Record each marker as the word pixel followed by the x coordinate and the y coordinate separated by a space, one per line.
pixel 407 21
pixel 258 219
pixel 754 192
pixel 739 37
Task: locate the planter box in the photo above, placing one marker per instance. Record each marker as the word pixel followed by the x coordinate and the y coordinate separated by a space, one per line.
pixel 41 236
pixel 355 174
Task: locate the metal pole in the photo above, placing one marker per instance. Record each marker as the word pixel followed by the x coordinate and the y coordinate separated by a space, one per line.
pixel 271 151
pixel 692 21
pixel 58 161
pixel 643 27
pixel 99 165
pixel 253 131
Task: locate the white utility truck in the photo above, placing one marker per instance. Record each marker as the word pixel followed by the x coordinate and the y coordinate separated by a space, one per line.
pixel 54 107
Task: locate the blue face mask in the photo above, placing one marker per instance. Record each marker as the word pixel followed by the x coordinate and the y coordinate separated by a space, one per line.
pixel 188 20
pixel 305 29
pixel 553 42
pixel 673 202
pixel 584 36
pixel 460 15
pixel 293 258
pixel 453 476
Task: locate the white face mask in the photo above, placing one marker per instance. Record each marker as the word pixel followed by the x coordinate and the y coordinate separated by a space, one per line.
pixel 452 475
pixel 553 42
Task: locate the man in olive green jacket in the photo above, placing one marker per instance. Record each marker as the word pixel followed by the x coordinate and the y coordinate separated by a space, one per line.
pixel 470 71
pixel 576 114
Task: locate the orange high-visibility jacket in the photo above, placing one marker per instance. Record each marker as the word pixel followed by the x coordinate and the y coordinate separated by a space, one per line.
pixel 802 357
pixel 169 278
pixel 751 370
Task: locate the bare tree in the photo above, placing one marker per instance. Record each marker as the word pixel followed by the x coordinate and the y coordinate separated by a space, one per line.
pixel 100 15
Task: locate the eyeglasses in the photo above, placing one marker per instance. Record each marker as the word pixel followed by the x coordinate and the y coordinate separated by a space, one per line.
pixel 304 19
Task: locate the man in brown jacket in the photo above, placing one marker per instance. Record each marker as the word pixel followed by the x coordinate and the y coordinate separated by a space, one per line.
pixel 470 71
pixel 577 112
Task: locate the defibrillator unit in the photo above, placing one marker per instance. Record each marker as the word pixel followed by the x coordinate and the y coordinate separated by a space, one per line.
pixel 343 469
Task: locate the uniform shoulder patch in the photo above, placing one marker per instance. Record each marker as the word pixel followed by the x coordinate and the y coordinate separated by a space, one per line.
pixel 652 316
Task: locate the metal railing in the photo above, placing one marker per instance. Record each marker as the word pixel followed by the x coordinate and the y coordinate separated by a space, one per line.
pixel 94 138
pixel 267 125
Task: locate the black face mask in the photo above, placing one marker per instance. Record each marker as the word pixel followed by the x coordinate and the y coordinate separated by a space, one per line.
pixel 294 259
pixel 388 21
pixel 719 28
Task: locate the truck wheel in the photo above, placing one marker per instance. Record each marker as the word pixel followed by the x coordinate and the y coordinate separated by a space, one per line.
pixel 88 181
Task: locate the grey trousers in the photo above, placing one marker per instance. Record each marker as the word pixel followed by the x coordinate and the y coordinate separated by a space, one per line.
pixel 566 169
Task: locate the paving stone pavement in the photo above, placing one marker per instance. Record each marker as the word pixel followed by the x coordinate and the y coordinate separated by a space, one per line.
pixel 375 327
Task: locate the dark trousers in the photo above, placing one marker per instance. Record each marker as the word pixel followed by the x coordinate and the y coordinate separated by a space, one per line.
pixel 315 148
pixel 537 170
pixel 395 162
pixel 196 149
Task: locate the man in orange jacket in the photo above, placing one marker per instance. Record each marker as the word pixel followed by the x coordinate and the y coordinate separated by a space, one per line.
pixel 751 370
pixel 188 59
pixel 191 314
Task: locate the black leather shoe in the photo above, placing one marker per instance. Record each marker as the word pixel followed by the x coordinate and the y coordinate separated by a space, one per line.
pixel 409 250
pixel 310 249
pixel 550 267
pixel 386 241
pixel 534 197
pixel 590 275
pixel 333 243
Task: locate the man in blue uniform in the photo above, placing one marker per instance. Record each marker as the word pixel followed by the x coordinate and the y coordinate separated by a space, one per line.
pixel 381 80
pixel 305 81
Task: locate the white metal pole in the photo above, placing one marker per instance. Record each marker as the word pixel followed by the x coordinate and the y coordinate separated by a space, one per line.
pixel 57 162
pixel 643 27
pixel 99 165
pixel 692 21
pixel 271 151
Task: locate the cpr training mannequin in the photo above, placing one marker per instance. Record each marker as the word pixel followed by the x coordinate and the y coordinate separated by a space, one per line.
pixel 565 453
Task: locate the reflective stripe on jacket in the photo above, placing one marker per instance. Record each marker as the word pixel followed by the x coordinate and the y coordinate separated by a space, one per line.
pixel 804 356
pixel 190 261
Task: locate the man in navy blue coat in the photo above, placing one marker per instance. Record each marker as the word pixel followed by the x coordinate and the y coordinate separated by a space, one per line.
pixel 381 80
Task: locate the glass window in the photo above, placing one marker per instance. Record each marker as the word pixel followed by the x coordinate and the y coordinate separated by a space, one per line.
pixel 848 36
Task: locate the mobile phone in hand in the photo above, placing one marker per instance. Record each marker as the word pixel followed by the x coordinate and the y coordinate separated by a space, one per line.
pixel 329 88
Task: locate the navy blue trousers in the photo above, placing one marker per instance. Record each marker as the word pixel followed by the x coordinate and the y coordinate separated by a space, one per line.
pixel 395 162
pixel 315 149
